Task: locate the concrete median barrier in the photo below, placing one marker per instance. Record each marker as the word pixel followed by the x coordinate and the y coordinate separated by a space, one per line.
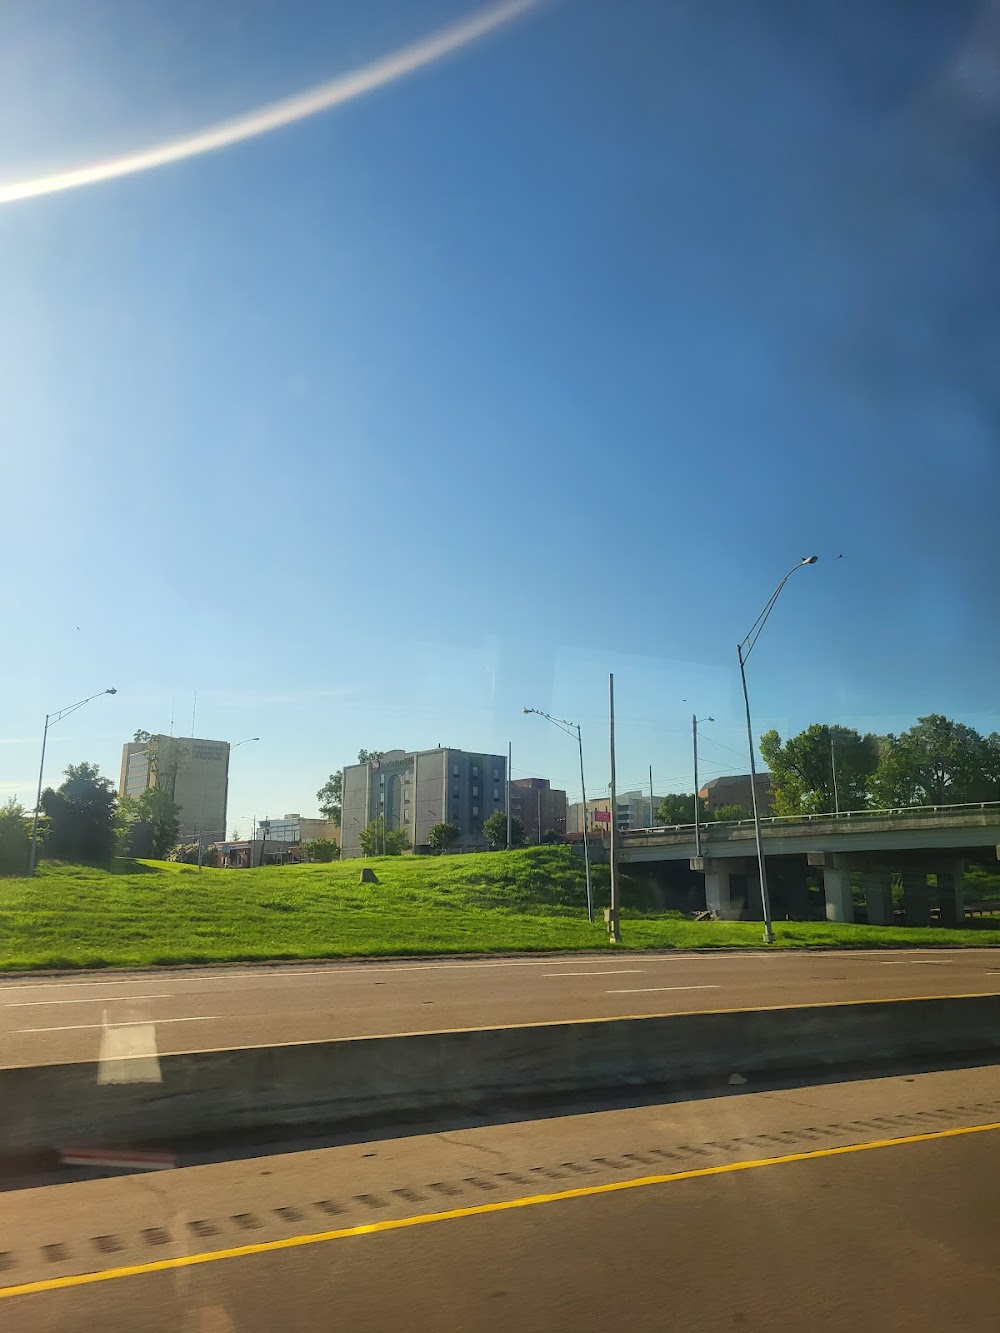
pixel 334 1083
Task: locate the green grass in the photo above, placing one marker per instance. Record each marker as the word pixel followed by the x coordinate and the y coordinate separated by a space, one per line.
pixel 142 913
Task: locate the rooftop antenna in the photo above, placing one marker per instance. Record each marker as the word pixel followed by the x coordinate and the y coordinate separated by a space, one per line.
pixel 194 712
pixel 172 701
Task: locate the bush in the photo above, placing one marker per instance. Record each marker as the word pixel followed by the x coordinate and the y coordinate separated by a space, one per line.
pixel 322 849
pixel 15 838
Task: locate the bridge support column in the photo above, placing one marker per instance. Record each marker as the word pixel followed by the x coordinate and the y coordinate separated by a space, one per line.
pixel 916 898
pixel 718 891
pixel 951 893
pixel 878 897
pixel 836 884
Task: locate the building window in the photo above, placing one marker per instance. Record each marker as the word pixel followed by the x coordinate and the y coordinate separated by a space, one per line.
pixel 455 793
pixel 454 815
pixel 496 793
pixel 475 770
pixel 475 810
pixel 475 791
pixel 496 775
pixel 406 816
pixel 406 795
pixel 455 770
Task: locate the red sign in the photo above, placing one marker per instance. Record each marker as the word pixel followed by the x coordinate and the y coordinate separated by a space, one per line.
pixel 602 816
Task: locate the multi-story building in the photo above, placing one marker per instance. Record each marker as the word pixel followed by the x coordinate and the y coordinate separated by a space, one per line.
pixel 413 790
pixel 736 791
pixel 540 807
pixel 193 772
pixel 634 811
pixel 293 828
pixel 598 816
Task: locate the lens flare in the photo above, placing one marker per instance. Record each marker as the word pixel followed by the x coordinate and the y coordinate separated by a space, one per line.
pixel 274 116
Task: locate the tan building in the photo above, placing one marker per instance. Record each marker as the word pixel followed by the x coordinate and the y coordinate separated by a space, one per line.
pixel 193 772
pixel 293 828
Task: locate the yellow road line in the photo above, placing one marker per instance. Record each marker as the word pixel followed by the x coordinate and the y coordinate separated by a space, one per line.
pixel 475 1210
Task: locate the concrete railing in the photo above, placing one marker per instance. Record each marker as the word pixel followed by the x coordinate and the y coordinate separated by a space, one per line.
pixel 979 814
pixel 323 1085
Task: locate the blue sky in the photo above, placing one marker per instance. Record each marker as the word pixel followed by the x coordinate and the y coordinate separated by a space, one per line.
pixel 545 361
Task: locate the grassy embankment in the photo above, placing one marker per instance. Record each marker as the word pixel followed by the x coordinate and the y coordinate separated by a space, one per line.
pixel 143 913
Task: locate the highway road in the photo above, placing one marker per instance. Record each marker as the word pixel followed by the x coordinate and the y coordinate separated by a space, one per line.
pixel 49 1020
pixel 858 1206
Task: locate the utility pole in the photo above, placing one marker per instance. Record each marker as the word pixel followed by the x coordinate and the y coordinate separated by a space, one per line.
pixel 509 750
pixel 651 815
pixel 833 761
pixel 614 929
pixel 538 812
pixel 697 802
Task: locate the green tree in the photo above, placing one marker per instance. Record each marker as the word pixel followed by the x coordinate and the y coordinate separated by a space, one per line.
pixel 678 808
pixel 495 831
pixel 331 797
pixel 730 814
pixel 322 849
pixel 442 836
pixel 156 808
pixel 15 838
pixel 802 769
pixel 376 840
pixel 366 756
pixel 937 762
pixel 81 816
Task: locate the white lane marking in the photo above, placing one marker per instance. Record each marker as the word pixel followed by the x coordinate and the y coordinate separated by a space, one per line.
pixel 87 999
pixel 918 962
pixel 139 1022
pixel 645 990
pixel 611 972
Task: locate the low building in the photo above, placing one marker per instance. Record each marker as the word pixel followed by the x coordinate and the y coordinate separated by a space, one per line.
pixel 737 791
pixel 540 807
pixel 416 789
pixel 294 828
pixel 244 854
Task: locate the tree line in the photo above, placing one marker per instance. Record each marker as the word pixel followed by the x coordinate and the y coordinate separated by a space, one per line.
pixel 936 762
pixel 85 820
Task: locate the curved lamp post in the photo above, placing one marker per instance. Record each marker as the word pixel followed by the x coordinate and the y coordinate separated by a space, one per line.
pixel 743 650
pixel 573 729
pixel 50 720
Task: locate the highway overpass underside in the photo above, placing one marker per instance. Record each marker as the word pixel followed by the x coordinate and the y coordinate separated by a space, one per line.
pixel 883 866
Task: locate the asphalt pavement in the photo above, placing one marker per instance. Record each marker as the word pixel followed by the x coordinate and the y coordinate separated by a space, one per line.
pixel 859 1206
pixel 50 1020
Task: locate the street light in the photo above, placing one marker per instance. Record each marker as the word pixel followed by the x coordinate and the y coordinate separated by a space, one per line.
pixel 246 742
pixel 571 729
pixel 50 720
pixel 697 813
pixel 743 651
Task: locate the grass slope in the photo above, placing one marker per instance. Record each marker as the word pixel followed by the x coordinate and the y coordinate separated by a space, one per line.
pixel 142 913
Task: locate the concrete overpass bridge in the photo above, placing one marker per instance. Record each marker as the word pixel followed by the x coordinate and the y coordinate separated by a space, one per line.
pixel 874 844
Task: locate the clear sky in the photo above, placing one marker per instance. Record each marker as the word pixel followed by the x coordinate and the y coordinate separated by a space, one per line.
pixel 543 361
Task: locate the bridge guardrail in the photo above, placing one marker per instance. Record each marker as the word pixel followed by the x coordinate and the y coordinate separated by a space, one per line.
pixel 857 816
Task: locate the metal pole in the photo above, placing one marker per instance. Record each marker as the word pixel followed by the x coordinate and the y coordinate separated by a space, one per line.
pixel 651 796
pixel 764 897
pixel 586 844
pixel 538 812
pixel 833 761
pixel 613 922
pixel 697 812
pixel 508 793
pixel 38 801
